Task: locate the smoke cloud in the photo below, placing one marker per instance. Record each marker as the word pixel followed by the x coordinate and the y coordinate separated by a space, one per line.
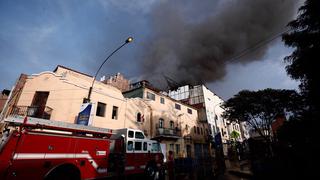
pixel 191 41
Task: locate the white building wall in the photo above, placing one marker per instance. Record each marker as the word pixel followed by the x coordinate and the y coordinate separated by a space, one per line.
pixel 214 111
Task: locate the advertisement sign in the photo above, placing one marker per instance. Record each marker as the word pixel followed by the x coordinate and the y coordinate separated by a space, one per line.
pixel 84 115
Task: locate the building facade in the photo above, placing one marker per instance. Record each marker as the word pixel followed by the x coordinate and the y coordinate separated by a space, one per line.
pixel 59 94
pixel 118 81
pixel 3 98
pixel 210 111
pixel 175 124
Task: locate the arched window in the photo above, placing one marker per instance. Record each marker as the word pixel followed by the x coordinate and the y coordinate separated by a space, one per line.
pixel 139 117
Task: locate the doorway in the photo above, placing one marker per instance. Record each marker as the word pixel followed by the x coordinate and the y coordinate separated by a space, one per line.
pixel 38 104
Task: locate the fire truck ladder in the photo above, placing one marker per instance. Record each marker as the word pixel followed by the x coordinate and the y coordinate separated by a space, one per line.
pixel 38 123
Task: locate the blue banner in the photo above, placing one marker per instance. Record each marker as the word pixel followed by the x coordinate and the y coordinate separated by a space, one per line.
pixel 84 114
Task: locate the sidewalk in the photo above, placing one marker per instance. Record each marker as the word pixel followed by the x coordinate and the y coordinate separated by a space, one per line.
pixel 241 169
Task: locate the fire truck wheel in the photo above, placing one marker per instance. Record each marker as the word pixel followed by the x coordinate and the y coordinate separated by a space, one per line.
pixel 151 171
pixel 64 172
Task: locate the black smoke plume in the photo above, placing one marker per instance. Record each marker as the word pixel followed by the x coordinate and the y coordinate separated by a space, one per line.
pixel 191 41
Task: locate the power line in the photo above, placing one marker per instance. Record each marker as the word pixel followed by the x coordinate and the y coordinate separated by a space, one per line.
pixel 254 47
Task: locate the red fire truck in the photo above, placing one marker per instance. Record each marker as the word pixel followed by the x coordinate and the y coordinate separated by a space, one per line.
pixel 33 148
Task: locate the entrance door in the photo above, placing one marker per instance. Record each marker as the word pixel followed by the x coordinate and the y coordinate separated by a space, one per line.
pixel 188 147
pixel 38 104
pixel 198 151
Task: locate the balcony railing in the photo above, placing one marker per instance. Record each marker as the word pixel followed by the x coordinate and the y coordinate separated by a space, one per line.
pixel 168 132
pixel 43 112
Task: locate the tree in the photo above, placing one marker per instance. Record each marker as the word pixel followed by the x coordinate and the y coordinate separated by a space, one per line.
pixel 234 135
pixel 303 63
pixel 259 108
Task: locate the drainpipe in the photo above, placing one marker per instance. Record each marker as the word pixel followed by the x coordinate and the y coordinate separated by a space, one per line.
pixel 151 118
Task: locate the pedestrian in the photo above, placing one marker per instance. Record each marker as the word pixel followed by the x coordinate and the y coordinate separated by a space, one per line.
pixel 171 165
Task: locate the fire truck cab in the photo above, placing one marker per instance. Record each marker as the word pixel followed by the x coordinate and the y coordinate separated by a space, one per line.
pixel 139 153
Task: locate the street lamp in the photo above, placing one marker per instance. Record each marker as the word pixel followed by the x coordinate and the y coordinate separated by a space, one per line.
pixel 128 40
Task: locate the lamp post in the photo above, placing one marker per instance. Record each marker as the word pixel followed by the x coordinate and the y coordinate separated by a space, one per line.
pixel 128 40
pixel 85 116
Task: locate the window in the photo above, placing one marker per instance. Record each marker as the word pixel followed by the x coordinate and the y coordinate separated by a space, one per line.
pixel 39 105
pixel 201 132
pixel 161 123
pixel 145 146
pixel 101 109
pixel 137 146
pixel 155 147
pixel 115 112
pixel 177 149
pixel 178 106
pixel 151 96
pixel 130 146
pixel 139 119
pixel 171 147
pixel 195 129
pixel 189 111
pixel 213 129
pixel 162 100
pixel 198 130
pixel 171 124
pixel 130 134
pixel 139 135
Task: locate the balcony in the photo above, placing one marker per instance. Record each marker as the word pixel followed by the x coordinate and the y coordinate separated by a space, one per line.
pixel 43 112
pixel 167 133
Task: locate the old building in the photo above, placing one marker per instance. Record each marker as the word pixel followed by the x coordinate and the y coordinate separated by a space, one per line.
pixel 118 81
pixel 3 98
pixel 175 124
pixel 59 94
pixel 210 111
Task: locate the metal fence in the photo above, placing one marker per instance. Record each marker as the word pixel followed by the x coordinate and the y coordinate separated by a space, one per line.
pixel 32 111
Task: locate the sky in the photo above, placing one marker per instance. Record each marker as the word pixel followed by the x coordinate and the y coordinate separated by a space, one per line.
pixel 37 36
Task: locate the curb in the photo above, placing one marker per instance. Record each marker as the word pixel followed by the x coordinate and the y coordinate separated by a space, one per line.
pixel 241 173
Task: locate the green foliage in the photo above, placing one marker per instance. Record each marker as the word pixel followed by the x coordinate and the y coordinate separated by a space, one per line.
pixel 234 135
pixel 301 135
pixel 259 108
pixel 303 63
